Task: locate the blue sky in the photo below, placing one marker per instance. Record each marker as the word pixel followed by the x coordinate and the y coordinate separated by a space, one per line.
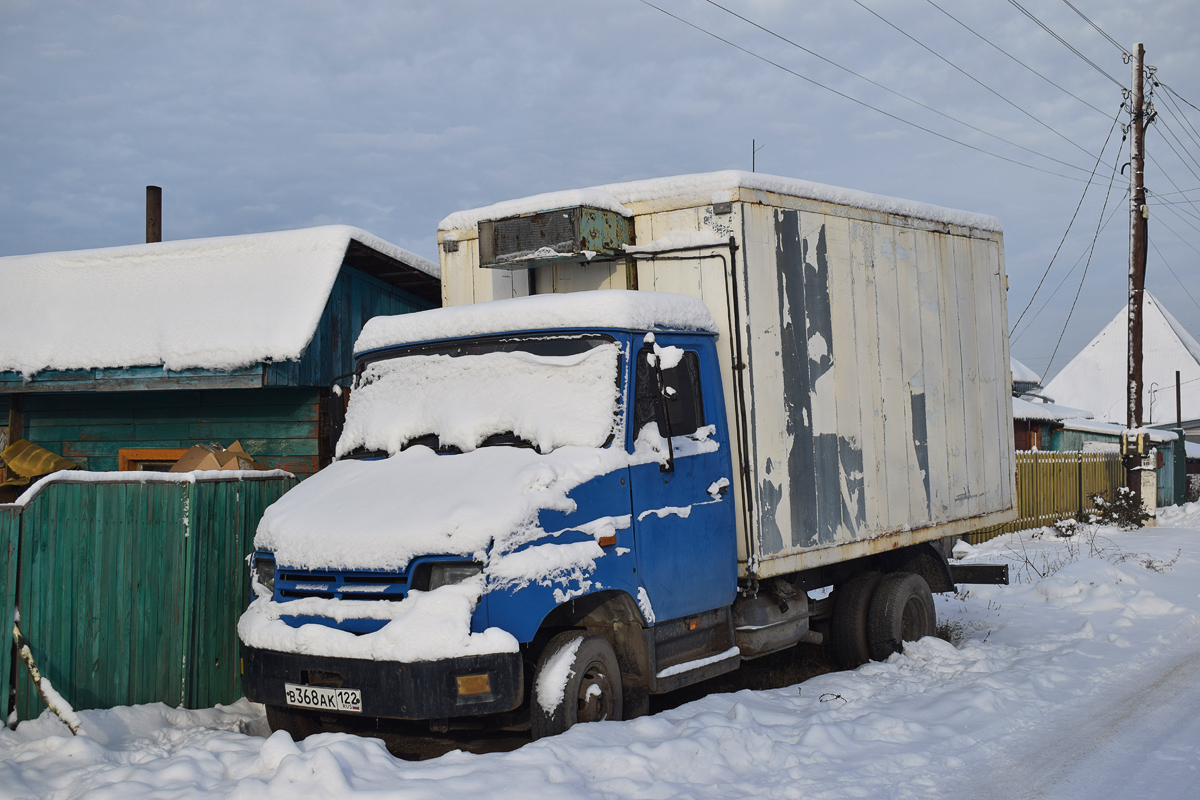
pixel 390 115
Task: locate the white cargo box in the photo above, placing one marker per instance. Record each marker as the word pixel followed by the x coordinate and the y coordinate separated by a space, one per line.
pixel 874 409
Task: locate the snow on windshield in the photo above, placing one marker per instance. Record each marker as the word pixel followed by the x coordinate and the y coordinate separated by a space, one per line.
pixel 549 401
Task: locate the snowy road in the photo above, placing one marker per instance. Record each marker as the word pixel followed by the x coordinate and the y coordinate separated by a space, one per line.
pixel 1084 683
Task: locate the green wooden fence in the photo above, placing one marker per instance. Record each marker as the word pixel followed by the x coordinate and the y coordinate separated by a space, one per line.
pixel 130 589
pixel 10 527
pixel 1052 486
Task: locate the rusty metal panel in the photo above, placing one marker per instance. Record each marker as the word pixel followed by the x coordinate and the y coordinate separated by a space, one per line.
pixel 565 235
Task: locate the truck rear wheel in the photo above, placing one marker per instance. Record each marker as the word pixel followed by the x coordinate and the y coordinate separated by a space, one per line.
pixel 849 625
pixel 581 687
pixel 901 611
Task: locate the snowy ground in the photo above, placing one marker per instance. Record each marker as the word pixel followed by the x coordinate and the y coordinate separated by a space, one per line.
pixel 1080 681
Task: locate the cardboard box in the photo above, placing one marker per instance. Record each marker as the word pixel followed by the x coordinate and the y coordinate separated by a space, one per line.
pixel 213 456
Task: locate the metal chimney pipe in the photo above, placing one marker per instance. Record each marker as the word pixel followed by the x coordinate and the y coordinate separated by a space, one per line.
pixel 153 214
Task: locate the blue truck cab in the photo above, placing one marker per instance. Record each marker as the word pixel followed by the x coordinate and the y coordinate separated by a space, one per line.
pixel 644 551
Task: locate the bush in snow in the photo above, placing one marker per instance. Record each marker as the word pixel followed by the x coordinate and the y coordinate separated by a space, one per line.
pixel 1124 511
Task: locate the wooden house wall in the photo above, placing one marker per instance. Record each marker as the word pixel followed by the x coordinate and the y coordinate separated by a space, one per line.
pixel 280 427
pixel 354 299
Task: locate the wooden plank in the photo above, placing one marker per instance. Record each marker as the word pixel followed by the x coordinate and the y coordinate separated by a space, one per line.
pixel 862 260
pixel 844 283
pixel 10 532
pixel 913 375
pixel 957 410
pixel 933 356
pixel 896 433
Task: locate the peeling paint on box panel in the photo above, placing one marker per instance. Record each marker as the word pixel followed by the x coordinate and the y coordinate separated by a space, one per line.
pixel 921 442
pixel 824 469
pixel 836 519
pixel 801 466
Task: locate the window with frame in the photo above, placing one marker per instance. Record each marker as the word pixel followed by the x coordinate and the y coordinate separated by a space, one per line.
pixel 683 402
pixel 148 459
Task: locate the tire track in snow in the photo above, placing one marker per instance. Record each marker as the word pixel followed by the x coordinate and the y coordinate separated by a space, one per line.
pixel 1097 747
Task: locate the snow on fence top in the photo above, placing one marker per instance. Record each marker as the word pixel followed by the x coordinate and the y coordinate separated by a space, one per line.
pixel 714 187
pixel 218 303
pixel 609 308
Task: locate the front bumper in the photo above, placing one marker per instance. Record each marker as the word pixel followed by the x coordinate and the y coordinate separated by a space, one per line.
pixel 421 690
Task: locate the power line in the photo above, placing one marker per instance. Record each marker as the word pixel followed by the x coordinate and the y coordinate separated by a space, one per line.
pixel 1099 30
pixel 1163 222
pixel 1185 123
pixel 1083 277
pixel 1178 95
pixel 969 75
pixel 1070 272
pixel 1170 180
pixel 1064 42
pixel 1167 128
pixel 1173 206
pixel 855 100
pixel 888 89
pixel 1014 58
pixel 1076 214
pixel 1181 283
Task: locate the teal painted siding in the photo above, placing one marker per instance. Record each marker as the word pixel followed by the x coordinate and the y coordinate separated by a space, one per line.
pixel 130 592
pixel 279 427
pixel 133 379
pixel 354 299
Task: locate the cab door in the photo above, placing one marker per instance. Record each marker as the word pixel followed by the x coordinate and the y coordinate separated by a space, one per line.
pixel 683 515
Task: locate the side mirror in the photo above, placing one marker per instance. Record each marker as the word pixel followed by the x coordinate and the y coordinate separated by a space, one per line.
pixel 335 411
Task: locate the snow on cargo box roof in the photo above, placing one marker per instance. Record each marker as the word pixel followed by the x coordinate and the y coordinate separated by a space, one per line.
pixel 219 303
pixel 608 308
pixel 708 187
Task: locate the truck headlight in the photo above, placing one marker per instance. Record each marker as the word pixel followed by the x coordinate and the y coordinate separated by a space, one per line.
pixel 452 572
pixel 262 576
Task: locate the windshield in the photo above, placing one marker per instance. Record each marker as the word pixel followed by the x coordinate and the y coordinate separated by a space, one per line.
pixel 545 393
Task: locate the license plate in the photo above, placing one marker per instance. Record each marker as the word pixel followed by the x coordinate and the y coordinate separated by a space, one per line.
pixel 322 698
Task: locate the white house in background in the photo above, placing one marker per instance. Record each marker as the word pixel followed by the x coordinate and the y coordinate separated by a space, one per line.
pixel 1096 378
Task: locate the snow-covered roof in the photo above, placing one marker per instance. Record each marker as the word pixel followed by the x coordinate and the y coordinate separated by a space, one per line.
pixel 608 308
pixel 1112 429
pixel 1096 378
pixel 1191 449
pixel 218 303
pixel 710 187
pixel 1022 373
pixel 1026 410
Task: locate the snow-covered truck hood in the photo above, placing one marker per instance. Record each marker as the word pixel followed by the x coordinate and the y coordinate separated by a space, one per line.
pixel 380 514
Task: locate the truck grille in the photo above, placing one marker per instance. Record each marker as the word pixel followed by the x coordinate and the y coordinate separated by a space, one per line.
pixel 291 584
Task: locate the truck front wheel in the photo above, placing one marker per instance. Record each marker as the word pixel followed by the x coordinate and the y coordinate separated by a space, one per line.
pixel 901 611
pixel 577 680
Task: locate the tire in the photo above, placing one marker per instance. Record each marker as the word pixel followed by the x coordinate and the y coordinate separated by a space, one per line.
pixel 591 687
pixel 299 724
pixel 901 611
pixel 848 629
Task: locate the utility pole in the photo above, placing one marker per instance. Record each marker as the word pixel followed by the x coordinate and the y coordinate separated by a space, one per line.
pixel 1137 259
pixel 753 153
